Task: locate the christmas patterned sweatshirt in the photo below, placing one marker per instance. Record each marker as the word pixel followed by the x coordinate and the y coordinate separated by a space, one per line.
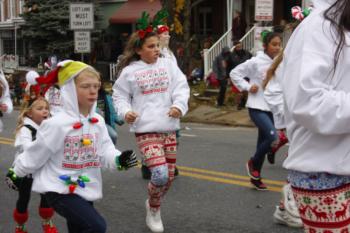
pixel 58 150
pixel 150 90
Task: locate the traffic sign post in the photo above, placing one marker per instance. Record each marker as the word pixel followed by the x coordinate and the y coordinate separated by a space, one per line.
pixel 81 20
pixel 263 10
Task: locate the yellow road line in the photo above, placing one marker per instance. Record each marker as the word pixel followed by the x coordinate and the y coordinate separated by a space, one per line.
pixel 6 142
pixel 7 139
pixel 208 174
pixel 228 175
pixel 225 181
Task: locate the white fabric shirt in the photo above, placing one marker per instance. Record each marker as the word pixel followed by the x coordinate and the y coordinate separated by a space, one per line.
pixel 58 151
pixel 273 94
pixel 255 69
pixel 53 96
pixel 317 106
pixel 167 53
pixel 150 90
pixel 6 97
pixel 24 136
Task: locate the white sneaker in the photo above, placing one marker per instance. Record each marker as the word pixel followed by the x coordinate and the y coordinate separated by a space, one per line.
pixel 153 219
pixel 283 217
pixel 289 201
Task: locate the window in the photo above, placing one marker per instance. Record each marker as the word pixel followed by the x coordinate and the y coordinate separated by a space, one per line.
pixel 205 21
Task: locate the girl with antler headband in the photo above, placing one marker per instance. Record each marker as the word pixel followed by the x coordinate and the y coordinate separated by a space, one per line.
pixel 151 94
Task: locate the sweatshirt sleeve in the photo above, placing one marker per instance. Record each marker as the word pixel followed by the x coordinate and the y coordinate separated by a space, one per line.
pixel 122 94
pixel 6 98
pixel 310 95
pixel 180 90
pixel 23 138
pixel 246 69
pixel 274 97
pixel 39 151
pixel 108 151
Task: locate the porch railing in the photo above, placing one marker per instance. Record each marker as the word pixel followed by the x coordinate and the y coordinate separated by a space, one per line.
pixel 225 40
pixel 112 71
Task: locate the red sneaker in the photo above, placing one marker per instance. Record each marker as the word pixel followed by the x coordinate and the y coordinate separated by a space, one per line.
pixel 254 174
pixel 20 229
pixel 282 140
pixel 258 185
pixel 49 227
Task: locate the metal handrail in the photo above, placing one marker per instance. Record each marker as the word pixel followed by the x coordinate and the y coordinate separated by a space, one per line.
pixel 210 54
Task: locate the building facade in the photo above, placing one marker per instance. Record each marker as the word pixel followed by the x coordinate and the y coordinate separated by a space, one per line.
pixel 11 43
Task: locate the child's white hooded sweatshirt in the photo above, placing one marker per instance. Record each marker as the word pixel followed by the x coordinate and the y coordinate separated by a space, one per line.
pixel 273 94
pixel 255 69
pixel 150 90
pixel 317 107
pixel 58 151
pixel 24 136
pixel 5 98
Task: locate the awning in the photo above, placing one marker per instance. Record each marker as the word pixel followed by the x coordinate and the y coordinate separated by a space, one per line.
pixel 132 9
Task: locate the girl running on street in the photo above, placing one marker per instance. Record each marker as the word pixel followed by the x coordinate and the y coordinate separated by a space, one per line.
pixel 255 69
pixel 151 94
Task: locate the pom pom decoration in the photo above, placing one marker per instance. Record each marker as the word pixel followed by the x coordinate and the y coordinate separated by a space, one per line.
pixel 162 28
pixel 93 120
pixel 86 141
pixel 300 14
pixel 78 125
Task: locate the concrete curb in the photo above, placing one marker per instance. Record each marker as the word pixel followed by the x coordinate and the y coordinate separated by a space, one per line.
pixel 222 116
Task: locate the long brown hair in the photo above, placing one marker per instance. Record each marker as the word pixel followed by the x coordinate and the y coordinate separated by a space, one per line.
pixel 339 16
pixel 26 108
pixel 134 43
pixel 272 70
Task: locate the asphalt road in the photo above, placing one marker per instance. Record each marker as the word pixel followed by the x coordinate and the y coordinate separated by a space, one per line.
pixel 211 195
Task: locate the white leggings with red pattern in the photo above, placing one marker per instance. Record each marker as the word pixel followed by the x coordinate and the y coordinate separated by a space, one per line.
pixel 159 155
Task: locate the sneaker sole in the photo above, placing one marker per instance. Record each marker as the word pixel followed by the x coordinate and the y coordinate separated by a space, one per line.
pixel 285 223
pixel 254 178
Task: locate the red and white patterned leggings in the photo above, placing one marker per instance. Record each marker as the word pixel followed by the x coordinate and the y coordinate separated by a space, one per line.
pixel 159 155
pixel 324 211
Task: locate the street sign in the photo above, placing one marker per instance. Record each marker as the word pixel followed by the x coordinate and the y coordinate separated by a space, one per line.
pixel 82 42
pixel 81 16
pixel 263 10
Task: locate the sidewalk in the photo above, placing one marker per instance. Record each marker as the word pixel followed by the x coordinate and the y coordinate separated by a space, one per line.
pixel 223 116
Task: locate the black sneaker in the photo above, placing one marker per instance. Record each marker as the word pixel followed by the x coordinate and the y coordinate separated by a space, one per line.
pixel 176 173
pixel 146 173
pixel 258 184
pixel 271 157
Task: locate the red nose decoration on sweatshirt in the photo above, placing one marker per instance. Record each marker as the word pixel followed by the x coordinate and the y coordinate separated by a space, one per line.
pixel 77 125
pixel 93 120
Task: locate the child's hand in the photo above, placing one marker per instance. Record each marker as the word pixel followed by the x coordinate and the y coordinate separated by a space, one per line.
pixel 127 159
pixel 12 180
pixel 3 107
pixel 174 112
pixel 130 117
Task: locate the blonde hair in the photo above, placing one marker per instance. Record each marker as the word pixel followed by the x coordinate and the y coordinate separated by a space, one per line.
pixel 272 70
pixel 90 70
pixel 26 108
